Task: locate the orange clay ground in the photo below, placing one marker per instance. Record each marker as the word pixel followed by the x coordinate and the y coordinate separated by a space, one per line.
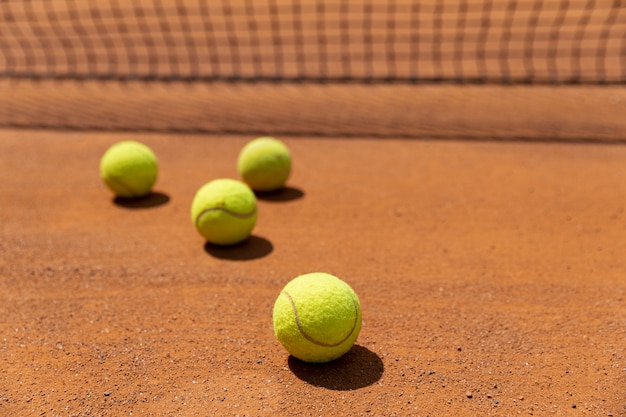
pixel 491 274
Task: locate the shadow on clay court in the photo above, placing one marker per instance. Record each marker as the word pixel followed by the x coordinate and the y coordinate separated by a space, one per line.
pixel 358 368
pixel 253 247
pixel 282 195
pixel 154 199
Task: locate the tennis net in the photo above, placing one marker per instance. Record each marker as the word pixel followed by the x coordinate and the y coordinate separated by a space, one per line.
pixel 460 41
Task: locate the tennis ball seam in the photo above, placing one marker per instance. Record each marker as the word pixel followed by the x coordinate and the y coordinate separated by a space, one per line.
pixel 122 185
pixel 309 337
pixel 147 157
pixel 229 212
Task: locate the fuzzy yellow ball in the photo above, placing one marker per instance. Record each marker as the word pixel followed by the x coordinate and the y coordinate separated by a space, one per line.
pixel 224 211
pixel 129 169
pixel 264 164
pixel 317 317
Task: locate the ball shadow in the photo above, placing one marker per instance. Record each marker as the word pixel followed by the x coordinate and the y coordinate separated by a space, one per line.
pixel 281 195
pixel 254 247
pixel 358 368
pixel 151 200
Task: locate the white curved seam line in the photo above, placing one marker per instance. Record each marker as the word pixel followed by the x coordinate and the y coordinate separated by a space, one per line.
pixel 311 339
pixel 232 213
pixel 124 186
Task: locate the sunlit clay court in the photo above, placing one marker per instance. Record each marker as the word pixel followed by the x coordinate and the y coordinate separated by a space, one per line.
pixel 312 208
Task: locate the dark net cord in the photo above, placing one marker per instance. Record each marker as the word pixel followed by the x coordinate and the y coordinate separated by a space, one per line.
pixel 464 41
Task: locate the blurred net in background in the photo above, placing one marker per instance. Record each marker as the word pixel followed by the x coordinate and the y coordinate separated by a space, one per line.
pixel 533 41
pixel 317 67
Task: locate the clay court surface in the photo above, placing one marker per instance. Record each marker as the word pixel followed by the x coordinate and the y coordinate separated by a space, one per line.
pixel 483 228
pixel 490 273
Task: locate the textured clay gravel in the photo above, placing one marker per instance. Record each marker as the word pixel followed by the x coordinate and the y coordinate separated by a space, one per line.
pixel 491 274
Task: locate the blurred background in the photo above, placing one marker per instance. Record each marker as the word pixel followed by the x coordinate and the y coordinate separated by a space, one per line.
pixel 314 66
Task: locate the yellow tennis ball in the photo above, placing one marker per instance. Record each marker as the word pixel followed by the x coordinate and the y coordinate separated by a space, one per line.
pixel 264 164
pixel 129 169
pixel 317 317
pixel 224 211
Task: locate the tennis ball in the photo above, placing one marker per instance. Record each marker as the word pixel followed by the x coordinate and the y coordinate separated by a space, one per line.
pixel 224 211
pixel 317 317
pixel 264 164
pixel 129 169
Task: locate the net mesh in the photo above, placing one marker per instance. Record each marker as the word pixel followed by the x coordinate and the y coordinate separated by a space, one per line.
pixel 464 41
